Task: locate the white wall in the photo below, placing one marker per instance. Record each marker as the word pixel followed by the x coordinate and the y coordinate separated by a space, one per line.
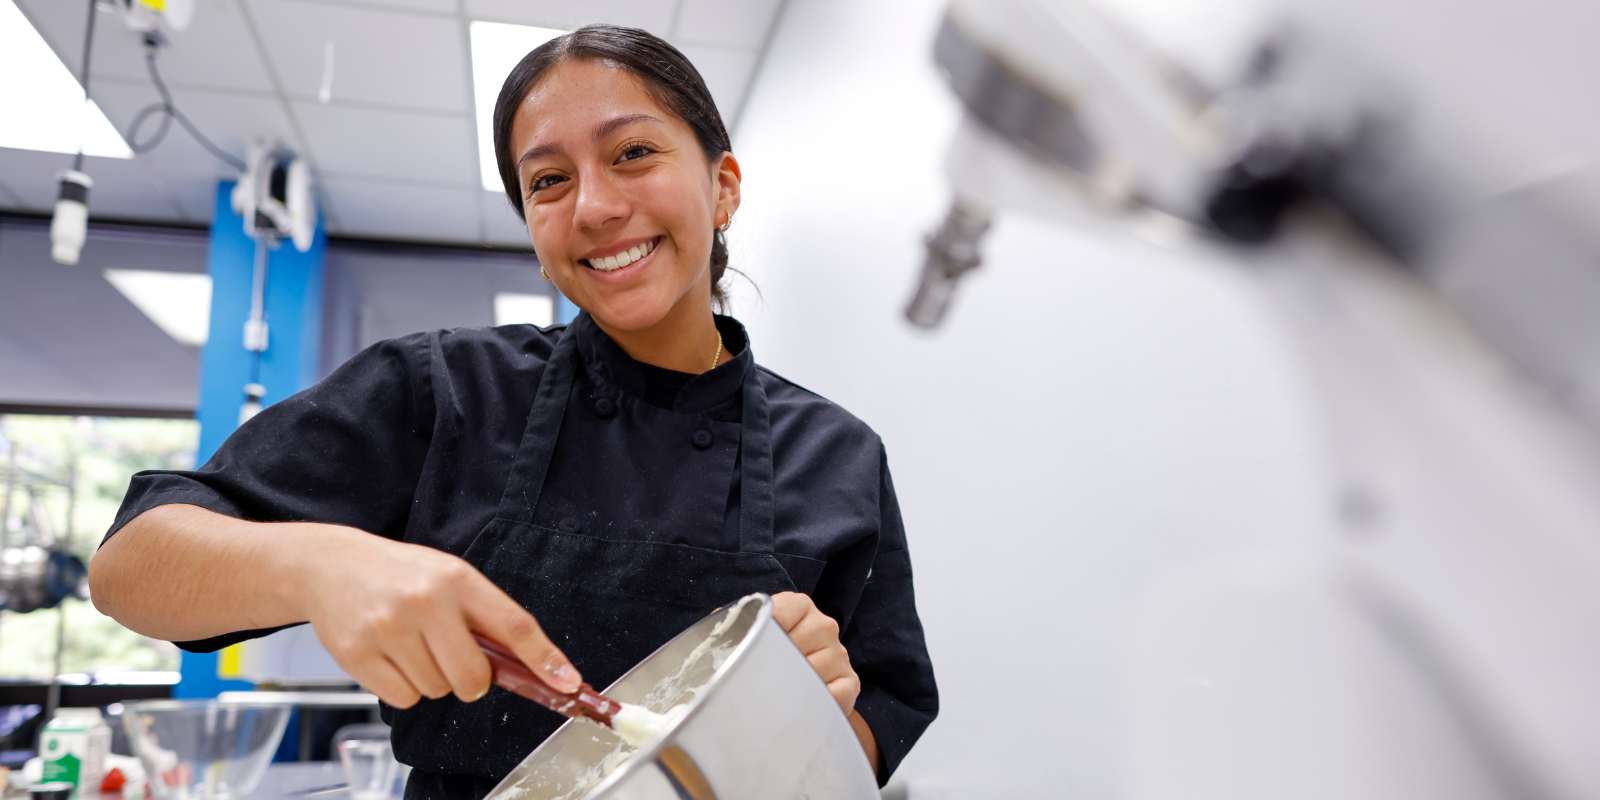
pixel 1092 414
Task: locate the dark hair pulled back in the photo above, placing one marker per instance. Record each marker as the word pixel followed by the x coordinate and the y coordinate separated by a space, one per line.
pixel 668 76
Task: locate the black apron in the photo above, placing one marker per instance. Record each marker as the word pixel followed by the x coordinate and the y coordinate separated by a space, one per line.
pixel 607 604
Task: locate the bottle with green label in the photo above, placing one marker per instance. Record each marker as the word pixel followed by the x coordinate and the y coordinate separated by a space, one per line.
pixel 73 748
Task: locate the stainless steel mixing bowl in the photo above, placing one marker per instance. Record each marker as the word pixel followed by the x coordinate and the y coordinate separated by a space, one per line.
pixel 762 726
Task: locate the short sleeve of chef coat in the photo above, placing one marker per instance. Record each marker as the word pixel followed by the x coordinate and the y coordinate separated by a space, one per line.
pixel 347 451
pixel 899 698
pixel 834 488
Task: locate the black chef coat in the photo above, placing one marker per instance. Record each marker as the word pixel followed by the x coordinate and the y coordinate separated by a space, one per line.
pixel 413 439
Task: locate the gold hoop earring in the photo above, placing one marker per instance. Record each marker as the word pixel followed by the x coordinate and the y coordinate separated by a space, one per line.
pixel 724 226
pixel 545 274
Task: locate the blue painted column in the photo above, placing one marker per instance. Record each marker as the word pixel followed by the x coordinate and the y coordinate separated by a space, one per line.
pixel 566 310
pixel 293 310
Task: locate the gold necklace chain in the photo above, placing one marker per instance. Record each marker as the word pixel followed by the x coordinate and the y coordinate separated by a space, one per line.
pixel 718 355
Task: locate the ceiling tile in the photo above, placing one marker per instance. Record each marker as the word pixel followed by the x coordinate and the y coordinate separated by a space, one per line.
pixel 230 121
pixel 726 23
pixel 395 145
pixel 133 190
pixel 30 175
pixel 652 15
pixel 123 188
pixel 385 210
pixel 217 50
pixel 195 190
pixel 432 6
pixel 379 57
pixel 500 224
pixel 726 72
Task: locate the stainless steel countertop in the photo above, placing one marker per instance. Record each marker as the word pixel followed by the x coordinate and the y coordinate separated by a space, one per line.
pixel 282 781
pixel 316 699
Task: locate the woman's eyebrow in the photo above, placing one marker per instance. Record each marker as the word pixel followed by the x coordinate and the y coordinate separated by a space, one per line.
pixel 608 127
pixel 601 131
pixel 546 149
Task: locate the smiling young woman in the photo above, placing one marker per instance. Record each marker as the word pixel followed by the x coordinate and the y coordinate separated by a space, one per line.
pixel 602 173
pixel 602 484
pixel 612 150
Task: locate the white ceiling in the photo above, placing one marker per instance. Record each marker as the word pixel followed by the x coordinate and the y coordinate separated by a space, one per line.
pixel 395 148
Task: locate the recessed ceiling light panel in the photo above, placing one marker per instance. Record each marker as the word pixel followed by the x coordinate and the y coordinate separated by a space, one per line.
pixel 43 103
pixel 496 48
pixel 177 302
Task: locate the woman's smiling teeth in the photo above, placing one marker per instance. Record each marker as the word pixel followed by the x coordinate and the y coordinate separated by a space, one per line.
pixel 622 259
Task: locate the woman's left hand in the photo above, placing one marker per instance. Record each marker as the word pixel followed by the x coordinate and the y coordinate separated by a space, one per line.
pixel 817 636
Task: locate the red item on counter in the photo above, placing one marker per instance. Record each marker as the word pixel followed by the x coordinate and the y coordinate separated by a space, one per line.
pixel 180 775
pixel 113 781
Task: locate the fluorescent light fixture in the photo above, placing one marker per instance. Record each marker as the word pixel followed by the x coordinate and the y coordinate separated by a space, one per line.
pixel 517 309
pixel 44 108
pixel 178 302
pixel 124 677
pixel 496 48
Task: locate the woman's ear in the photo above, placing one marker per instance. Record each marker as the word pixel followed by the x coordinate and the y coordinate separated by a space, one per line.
pixel 727 177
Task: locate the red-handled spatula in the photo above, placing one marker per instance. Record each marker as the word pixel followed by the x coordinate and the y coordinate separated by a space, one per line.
pixel 513 676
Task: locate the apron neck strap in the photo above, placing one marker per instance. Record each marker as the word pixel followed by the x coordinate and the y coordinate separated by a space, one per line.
pixel 532 464
pixel 525 483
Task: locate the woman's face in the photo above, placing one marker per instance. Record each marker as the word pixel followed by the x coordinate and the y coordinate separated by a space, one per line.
pixel 619 197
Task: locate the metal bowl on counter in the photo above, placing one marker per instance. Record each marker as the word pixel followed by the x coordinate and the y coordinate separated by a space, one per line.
pixel 204 749
pixel 759 725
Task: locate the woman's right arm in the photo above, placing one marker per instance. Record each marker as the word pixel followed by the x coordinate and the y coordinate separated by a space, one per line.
pixel 397 617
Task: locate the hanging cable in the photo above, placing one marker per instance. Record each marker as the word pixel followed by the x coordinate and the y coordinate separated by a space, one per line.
pixel 168 112
pixel 88 48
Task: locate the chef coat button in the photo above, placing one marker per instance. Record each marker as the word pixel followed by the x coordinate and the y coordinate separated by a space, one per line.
pixel 570 524
pixel 605 407
pixel 702 438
